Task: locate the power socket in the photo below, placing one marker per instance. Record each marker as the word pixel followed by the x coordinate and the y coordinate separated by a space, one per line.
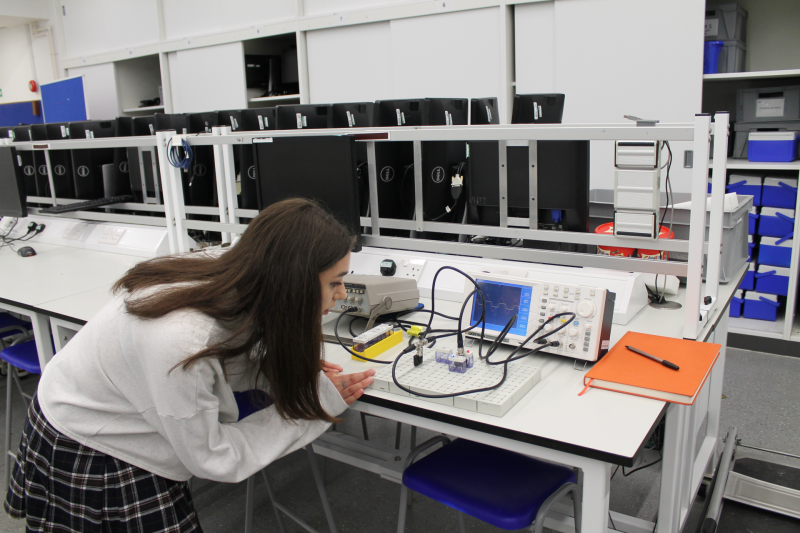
pixel 74 231
pixel 111 235
pixel 410 268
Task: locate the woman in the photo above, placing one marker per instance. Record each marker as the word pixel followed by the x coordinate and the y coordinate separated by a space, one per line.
pixel 142 398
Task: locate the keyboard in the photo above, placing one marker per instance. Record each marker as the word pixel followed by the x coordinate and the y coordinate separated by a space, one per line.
pixel 88 204
pixel 435 378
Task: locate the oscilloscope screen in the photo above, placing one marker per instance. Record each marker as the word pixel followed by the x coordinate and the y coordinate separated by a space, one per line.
pixel 503 300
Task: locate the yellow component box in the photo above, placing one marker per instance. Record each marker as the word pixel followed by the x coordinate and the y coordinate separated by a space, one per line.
pixel 378 348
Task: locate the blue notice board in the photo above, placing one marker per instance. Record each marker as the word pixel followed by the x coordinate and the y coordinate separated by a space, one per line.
pixel 20 113
pixel 64 100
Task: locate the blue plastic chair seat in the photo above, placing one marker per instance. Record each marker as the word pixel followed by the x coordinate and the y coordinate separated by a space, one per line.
pixel 244 401
pixel 500 487
pixel 23 356
pixel 7 321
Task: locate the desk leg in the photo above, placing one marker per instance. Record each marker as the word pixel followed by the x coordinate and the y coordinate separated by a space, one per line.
pixel 596 492
pixel 41 332
pixel 673 469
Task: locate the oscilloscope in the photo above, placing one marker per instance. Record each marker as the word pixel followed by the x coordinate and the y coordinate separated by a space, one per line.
pixel 534 301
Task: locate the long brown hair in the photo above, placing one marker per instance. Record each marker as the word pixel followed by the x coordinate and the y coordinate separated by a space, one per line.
pixel 268 286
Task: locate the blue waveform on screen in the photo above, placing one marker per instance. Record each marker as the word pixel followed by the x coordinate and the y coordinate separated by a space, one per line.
pixel 491 306
pixel 501 301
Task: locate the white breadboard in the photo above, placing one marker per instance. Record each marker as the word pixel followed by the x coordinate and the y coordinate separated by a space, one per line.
pixel 435 378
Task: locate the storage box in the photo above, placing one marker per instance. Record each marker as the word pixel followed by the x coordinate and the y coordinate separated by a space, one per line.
pixel 752 221
pixel 775 222
pixel 749 280
pixel 731 57
pixel 775 251
pixel 772 280
pixel 749 184
pixel 741 130
pixel 770 104
pixel 772 146
pixel 736 304
pixel 726 22
pixel 779 192
pixel 761 306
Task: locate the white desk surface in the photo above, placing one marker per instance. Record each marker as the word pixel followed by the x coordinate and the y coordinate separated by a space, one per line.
pixel 72 282
pixel 600 424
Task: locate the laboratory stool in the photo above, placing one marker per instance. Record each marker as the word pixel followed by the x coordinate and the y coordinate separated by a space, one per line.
pixel 20 356
pixel 11 325
pixel 244 400
pixel 506 489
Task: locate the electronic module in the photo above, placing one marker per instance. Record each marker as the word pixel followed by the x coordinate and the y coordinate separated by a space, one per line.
pixel 372 296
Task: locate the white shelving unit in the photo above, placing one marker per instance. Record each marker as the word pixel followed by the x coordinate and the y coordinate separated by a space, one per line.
pixel 148 109
pixel 790 73
pixel 269 100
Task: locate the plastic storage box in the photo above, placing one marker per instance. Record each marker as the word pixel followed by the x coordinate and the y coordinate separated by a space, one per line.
pixel 772 146
pixel 748 184
pixel 752 221
pixel 736 304
pixel 772 280
pixel 749 280
pixel 731 57
pixel 779 192
pixel 775 222
pixel 741 130
pixel 726 22
pixel 750 247
pixel 775 251
pixel 771 104
pixel 761 306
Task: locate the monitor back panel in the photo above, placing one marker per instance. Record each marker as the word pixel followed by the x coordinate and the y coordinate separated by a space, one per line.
pixel 12 185
pixel 298 117
pixel 29 162
pixel 87 164
pixel 354 115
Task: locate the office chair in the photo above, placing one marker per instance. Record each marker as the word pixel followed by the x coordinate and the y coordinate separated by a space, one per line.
pixel 503 488
pixel 247 406
pixel 22 356
pixel 10 324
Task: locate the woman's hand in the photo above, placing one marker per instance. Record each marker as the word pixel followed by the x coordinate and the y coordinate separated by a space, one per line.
pixel 351 386
pixel 330 369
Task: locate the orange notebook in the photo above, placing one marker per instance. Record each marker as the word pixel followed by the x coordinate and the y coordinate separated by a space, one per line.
pixel 622 370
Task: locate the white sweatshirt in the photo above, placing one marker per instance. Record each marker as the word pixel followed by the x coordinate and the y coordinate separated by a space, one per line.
pixel 111 389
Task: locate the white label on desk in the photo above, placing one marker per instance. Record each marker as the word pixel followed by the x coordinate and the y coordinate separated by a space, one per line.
pixel 712 27
pixel 770 107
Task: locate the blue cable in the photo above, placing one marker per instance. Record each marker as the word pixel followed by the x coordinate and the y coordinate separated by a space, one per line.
pixel 174 157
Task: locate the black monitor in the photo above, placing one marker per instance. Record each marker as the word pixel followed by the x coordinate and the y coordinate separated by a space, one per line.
pixel 12 185
pixel 256 71
pixel 141 127
pixel 321 168
pixel 403 112
pixel 232 118
pixel 27 160
pixel 484 111
pixel 262 118
pixel 203 122
pixel 563 184
pixel 448 112
pixel 538 109
pixel 311 116
pixel 87 164
pixel 7 131
pixel 259 119
pixel 200 183
pixel 177 122
pixel 354 115
pixel 60 161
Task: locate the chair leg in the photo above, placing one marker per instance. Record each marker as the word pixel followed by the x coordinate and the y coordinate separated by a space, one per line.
pixel 413 437
pixel 7 440
pixel 553 498
pixel 401 517
pixel 278 515
pixel 248 506
pixel 397 435
pixel 364 426
pixel 577 508
pixel 461 527
pixel 323 495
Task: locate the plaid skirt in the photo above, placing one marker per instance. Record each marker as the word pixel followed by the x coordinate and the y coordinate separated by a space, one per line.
pixel 60 485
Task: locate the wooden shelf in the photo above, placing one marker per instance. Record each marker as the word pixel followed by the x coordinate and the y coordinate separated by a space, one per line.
pixel 758 328
pixel 281 98
pixel 765 74
pixel 143 109
pixel 744 164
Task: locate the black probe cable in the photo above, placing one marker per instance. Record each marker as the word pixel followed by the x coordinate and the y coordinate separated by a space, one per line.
pixel 534 350
pixel 336 332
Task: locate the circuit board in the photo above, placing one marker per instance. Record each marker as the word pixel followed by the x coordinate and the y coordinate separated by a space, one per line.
pixel 435 378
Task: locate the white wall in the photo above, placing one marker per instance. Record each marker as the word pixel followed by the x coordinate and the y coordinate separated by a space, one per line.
pixel 16 69
pixel 615 58
pixel 448 55
pixel 184 18
pixel 99 26
pixel 100 88
pixel 773 34
pixel 195 90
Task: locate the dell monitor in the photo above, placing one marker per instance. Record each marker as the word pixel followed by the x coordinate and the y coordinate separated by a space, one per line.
pixel 259 119
pixel 12 185
pixel 484 111
pixel 538 109
pixel 358 115
pixel 141 127
pixel 87 164
pixel 298 117
pixel 26 159
pixel 177 122
pixel 231 118
pixel 200 184
pixel 60 161
pixel 320 168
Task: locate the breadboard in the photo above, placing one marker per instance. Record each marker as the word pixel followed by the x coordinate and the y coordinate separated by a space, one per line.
pixel 435 378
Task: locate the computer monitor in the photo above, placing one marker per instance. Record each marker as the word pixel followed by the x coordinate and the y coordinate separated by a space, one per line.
pixel 141 127
pixel 200 183
pixel 7 131
pixel 12 185
pixel 177 122
pixel 231 118
pixel 60 161
pixel 258 119
pixel 448 111
pixel 563 185
pixel 321 168
pixel 256 71
pixel 538 109
pixel 87 164
pixel 484 111
pixel 311 116
pixel 29 170
pixel 354 115
pixel 422 112
pixel 203 122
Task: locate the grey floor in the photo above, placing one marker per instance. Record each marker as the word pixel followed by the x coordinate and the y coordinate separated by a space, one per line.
pixel 762 399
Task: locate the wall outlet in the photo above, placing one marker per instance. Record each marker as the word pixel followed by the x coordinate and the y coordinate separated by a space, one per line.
pixel 410 268
pixel 112 235
pixel 74 231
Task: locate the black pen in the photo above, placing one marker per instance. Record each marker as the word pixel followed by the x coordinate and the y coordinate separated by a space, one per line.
pixel 667 364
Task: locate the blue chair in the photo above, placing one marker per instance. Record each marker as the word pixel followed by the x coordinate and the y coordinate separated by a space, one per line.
pixel 11 325
pixel 503 488
pixel 19 356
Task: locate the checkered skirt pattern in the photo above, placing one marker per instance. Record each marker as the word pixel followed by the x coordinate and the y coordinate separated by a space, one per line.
pixel 59 485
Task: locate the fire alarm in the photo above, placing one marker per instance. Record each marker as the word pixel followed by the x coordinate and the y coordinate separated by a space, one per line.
pixel 32 86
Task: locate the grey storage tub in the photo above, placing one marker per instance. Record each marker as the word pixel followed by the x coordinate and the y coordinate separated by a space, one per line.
pixel 726 22
pixel 731 57
pixel 734 227
pixel 768 104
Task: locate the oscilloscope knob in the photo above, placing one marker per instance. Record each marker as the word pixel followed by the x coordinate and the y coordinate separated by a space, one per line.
pixel 548 327
pixel 573 331
pixel 586 309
